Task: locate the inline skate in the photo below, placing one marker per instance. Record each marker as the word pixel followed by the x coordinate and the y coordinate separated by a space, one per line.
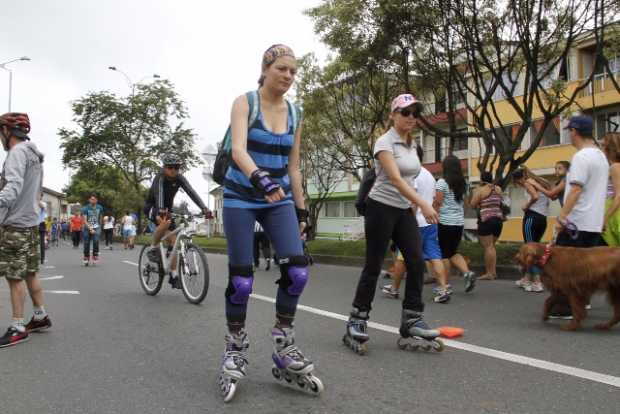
pixel 415 333
pixel 234 363
pixel 356 335
pixel 290 366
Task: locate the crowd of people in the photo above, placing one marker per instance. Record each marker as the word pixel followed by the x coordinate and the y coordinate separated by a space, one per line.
pixel 263 195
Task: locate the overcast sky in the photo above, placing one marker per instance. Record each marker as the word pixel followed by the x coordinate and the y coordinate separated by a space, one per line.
pixel 211 51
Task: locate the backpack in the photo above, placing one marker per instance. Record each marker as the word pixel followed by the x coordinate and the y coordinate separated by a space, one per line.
pixel 223 159
pixel 362 193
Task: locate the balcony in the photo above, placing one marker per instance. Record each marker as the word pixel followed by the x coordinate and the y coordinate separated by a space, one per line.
pixel 601 83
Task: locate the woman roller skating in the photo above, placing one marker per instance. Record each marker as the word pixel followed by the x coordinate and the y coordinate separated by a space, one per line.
pixel 389 215
pixel 263 184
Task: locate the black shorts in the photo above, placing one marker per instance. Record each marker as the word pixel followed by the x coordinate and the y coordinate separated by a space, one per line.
pixel 491 227
pixel 534 226
pixel 449 239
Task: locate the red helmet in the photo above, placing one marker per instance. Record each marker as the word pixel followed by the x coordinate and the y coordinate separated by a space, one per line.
pixel 17 122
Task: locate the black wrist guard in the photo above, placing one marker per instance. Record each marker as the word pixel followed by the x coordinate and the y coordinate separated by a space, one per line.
pixel 302 215
pixel 261 180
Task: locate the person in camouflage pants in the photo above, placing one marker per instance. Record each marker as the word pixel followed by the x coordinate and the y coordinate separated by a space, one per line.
pixel 20 192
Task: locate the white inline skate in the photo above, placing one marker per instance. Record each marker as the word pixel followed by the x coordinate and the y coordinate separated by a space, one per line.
pixel 234 363
pixel 356 334
pixel 416 334
pixel 290 366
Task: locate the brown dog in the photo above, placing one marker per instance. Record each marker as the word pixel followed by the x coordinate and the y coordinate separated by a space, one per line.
pixel 577 273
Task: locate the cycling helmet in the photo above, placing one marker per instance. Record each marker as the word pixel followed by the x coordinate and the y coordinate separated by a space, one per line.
pixel 171 159
pixel 17 122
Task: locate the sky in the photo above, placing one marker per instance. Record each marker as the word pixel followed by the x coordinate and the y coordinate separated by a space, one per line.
pixel 211 51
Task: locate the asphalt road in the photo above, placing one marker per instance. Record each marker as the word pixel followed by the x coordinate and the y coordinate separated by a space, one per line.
pixel 113 349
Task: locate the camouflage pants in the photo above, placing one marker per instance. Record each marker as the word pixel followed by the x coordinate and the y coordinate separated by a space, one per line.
pixel 19 252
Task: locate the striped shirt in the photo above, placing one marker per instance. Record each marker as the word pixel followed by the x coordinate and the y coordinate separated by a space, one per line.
pixel 451 211
pixel 490 206
pixel 270 152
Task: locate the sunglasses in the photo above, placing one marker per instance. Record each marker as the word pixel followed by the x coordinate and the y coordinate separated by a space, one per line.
pixel 173 167
pixel 409 112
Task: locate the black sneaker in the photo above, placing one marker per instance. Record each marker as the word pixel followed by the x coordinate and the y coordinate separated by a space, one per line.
pixel 175 282
pixel 153 254
pixel 38 325
pixel 13 337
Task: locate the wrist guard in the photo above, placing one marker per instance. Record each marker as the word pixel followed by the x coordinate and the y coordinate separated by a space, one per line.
pixel 302 215
pixel 261 180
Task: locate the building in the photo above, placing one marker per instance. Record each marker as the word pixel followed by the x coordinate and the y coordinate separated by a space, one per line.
pixel 218 205
pixel 55 203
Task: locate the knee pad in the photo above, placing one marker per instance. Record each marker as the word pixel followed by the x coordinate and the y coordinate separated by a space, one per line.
pixel 294 274
pixel 240 280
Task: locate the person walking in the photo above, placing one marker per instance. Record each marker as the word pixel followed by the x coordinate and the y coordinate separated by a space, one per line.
pixel 91 231
pixel 20 190
pixel 389 215
pixel 581 220
pixel 450 193
pixel 261 244
pixel 488 198
pixel 263 184
pixel 108 230
pixel 127 223
pixel 554 192
pixel 75 225
pixel 611 226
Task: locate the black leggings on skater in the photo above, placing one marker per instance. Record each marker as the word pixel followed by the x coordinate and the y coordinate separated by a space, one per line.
pixel 384 223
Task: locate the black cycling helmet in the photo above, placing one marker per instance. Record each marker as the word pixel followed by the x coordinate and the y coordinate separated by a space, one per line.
pixel 171 159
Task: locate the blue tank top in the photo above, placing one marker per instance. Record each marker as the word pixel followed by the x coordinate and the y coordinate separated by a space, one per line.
pixel 270 152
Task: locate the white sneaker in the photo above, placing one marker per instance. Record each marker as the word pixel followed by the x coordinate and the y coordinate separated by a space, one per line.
pixel 523 284
pixel 535 287
pixel 389 291
pixel 588 306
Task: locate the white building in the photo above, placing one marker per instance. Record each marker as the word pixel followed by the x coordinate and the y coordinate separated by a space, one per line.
pixel 55 203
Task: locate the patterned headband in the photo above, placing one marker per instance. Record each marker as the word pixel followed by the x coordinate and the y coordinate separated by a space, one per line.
pixel 274 52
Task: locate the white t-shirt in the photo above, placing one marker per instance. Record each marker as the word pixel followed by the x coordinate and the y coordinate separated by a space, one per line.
pixel 590 169
pixel 408 164
pixel 109 224
pixel 425 186
pixel 127 222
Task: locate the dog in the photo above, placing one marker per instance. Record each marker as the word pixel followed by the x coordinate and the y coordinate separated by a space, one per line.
pixel 577 273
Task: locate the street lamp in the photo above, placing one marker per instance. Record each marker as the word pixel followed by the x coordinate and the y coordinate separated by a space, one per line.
pixel 3 66
pixel 128 79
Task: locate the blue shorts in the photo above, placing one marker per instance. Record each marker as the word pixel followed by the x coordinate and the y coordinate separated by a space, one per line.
pixel 430 243
pixel 126 232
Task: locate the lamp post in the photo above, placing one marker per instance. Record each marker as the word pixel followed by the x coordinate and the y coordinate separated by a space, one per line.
pixel 132 85
pixel 209 154
pixel 3 66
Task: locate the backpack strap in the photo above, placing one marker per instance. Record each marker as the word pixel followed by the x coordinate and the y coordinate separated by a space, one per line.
pixel 296 114
pixel 253 103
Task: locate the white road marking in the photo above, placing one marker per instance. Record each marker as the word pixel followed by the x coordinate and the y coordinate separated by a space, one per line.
pixel 130 263
pixel 63 292
pixel 489 352
pixel 51 277
pixel 48 267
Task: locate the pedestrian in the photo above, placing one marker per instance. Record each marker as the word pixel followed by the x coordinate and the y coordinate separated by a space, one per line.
pixel 20 191
pixel 611 233
pixel 75 225
pixel 449 201
pixel 425 186
pixel 127 223
pixel 92 213
pixel 580 222
pixel 64 228
pixel 55 232
pixel 488 198
pixel 261 244
pixel 555 192
pixel 108 230
pixel 389 216
pixel 536 209
pixel 264 184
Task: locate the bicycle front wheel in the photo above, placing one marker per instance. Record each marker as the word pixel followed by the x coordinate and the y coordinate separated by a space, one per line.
pixel 194 273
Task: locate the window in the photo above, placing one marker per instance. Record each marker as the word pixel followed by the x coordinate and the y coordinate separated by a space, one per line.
pixel 551 135
pixel 609 122
pixel 332 209
pixel 349 209
pixel 461 143
pixel 428 145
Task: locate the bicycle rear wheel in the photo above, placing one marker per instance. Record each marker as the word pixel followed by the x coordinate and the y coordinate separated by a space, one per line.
pixel 194 273
pixel 151 278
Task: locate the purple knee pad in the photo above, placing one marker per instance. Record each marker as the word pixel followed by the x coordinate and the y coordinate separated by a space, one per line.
pixel 242 287
pixel 298 277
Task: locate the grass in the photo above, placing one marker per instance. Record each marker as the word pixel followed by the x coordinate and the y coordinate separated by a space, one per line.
pixel 505 251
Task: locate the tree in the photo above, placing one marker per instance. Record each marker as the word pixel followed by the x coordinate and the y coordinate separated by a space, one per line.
pixel 473 52
pixel 130 133
pixel 113 190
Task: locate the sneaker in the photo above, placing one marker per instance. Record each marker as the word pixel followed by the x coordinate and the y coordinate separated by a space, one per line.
pixel 437 289
pixel 470 281
pixel 13 337
pixel 95 259
pixel 441 296
pixel 390 292
pixel 175 282
pixel 268 265
pixel 588 306
pixel 535 287
pixel 39 325
pixel 560 316
pixel 523 283
pixel 85 260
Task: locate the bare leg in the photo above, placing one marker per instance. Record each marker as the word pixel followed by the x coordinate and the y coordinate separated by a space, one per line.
pixel 439 272
pixel 35 290
pixel 399 272
pixel 447 267
pixel 490 257
pixel 18 296
pixel 459 262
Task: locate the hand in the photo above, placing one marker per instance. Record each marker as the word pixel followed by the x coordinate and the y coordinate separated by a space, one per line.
pixel 524 207
pixel 560 222
pixel 276 196
pixel 207 213
pixel 302 227
pixel 429 213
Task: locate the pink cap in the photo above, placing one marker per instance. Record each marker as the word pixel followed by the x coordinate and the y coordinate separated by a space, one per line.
pixel 403 101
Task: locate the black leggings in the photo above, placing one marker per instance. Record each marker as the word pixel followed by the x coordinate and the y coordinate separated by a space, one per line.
pixel 534 226
pixel 382 223
pixel 108 236
pixel 75 237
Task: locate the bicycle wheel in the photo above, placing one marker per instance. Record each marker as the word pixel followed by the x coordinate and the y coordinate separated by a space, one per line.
pixel 194 273
pixel 151 279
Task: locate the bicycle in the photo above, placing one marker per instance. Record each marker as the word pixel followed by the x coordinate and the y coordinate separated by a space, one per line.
pixel 192 265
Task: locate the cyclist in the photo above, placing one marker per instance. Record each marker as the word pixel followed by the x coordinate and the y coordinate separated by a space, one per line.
pixel 159 206
pixel 92 213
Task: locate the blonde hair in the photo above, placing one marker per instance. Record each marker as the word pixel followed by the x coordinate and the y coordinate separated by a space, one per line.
pixel 612 146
